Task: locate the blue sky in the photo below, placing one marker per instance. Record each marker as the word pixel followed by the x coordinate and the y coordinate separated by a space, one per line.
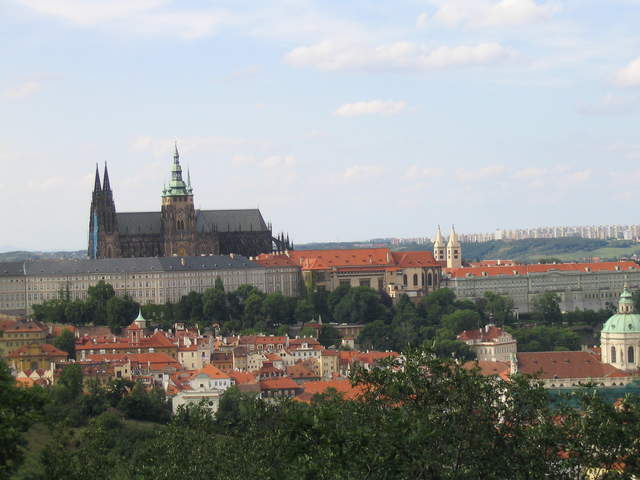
pixel 341 120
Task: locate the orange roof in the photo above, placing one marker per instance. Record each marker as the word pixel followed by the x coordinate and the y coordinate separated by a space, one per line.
pixel 487 334
pixel 278 383
pixel 372 357
pixel 261 340
pixel 565 365
pixel 275 260
pixel 213 372
pixel 44 349
pixel 414 259
pixel 348 391
pixel 514 270
pixel 300 371
pixel 242 378
pixel 501 369
pixel 22 326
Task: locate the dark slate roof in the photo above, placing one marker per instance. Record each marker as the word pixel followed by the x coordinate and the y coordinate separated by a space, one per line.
pixel 230 220
pixel 128 265
pixel 9 269
pixel 135 223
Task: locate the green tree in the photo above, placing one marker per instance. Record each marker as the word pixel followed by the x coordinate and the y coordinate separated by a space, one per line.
pixel 304 311
pixel 278 309
pixel 329 336
pixel 18 409
pixel 499 308
pixel 360 305
pixel 66 341
pixel 97 298
pixel 461 320
pixel 214 305
pixel 120 311
pixel 546 308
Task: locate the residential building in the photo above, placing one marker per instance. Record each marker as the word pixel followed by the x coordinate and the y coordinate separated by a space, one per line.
pixel 18 332
pixel 35 356
pixel 205 385
pixel 490 343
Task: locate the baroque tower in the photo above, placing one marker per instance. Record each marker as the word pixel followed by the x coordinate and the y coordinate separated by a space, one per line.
pixel 454 252
pixel 178 214
pixel 620 335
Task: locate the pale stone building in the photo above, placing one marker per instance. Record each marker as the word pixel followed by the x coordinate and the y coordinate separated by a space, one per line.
pixel 490 344
pixel 146 280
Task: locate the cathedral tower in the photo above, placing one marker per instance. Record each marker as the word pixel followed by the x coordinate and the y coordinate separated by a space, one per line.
pixel 454 251
pixel 620 335
pixel 178 214
pixel 439 247
pixel 103 224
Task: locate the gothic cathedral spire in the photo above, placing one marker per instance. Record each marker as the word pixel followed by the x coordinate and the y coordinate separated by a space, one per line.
pixel 96 185
pixel 106 186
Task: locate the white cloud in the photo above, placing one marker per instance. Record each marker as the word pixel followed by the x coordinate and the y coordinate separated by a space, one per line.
pixel 610 104
pixel 483 13
pixel 334 55
pixel 163 146
pixel 416 172
pixel 490 171
pixel 531 172
pixel 423 20
pixel 278 161
pixel 629 76
pixel 370 107
pixel 23 90
pixel 45 184
pixel 149 17
pixel 359 172
pixel 580 176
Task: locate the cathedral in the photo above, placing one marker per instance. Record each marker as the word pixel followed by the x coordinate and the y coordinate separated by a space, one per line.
pixel 178 229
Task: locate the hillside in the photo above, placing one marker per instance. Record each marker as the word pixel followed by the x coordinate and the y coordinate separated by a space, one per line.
pixel 21 255
pixel 529 250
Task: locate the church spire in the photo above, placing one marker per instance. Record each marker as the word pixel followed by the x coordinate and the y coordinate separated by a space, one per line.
pixel 177 186
pixel 96 185
pixel 106 186
pixel 176 155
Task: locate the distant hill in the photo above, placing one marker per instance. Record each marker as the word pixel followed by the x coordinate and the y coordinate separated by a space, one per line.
pixel 530 250
pixel 19 256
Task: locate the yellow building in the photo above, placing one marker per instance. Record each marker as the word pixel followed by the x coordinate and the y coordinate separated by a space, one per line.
pixel 35 356
pixel 16 333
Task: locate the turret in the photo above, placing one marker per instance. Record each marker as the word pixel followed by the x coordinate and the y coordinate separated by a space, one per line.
pixel 454 251
pixel 439 252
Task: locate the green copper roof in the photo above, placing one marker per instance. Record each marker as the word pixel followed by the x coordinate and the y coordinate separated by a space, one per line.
pixel 140 318
pixel 177 186
pixel 626 320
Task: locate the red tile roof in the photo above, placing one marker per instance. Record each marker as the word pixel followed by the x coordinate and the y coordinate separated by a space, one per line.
pixel 490 333
pixel 414 259
pixel 278 383
pixel 213 372
pixel 565 365
pixel 501 369
pixel 515 270
pixel 43 349
pixel 242 378
pixel 344 387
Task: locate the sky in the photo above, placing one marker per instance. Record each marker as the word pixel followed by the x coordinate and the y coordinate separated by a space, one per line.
pixel 340 119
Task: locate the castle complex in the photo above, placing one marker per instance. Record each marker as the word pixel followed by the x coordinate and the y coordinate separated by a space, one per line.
pixel 178 229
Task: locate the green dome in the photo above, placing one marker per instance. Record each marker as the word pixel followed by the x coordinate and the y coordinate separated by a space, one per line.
pixel 626 320
pixel 622 323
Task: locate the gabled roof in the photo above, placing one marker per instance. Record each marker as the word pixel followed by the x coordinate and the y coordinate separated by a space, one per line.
pixel 489 333
pixel 278 383
pixel 213 372
pixel 40 349
pixel 344 387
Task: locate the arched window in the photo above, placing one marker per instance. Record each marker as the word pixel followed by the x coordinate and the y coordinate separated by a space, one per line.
pixel 631 357
pixel 429 279
pixel 109 251
pixel 415 279
pixel 613 354
pixel 404 280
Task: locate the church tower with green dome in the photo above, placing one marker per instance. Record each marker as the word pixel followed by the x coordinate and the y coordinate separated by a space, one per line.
pixel 620 335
